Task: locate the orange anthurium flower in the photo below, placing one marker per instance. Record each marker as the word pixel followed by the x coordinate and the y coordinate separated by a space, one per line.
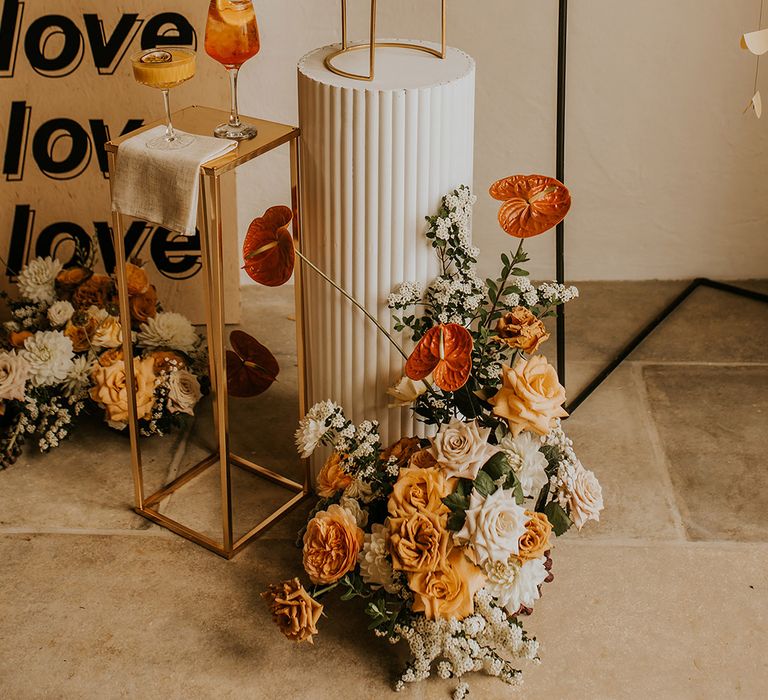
pixel 446 352
pixel 268 248
pixel 532 205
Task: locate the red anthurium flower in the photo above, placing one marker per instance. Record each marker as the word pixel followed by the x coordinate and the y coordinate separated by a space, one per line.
pixel 268 248
pixel 532 205
pixel 446 352
pixel 251 368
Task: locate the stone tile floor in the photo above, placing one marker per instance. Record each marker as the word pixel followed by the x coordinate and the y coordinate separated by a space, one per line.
pixel 667 597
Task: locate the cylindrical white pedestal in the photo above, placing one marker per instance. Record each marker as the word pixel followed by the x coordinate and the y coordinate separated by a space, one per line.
pixel 376 159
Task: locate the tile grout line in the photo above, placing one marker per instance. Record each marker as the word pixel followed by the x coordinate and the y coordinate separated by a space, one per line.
pixel 657 447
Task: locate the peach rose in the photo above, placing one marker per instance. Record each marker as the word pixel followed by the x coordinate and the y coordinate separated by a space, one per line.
pixel 17 338
pixel 401 450
pixel 535 541
pixel 138 282
pixel 293 610
pixel 418 490
pixel 111 391
pixel 520 329
pixel 95 291
pixel 144 306
pixel 448 592
pixel 332 478
pixel 418 542
pixel 331 545
pixel 423 459
pixel 530 397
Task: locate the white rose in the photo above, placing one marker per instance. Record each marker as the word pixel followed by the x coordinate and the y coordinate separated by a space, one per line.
pixel 584 495
pixel 353 508
pixel 493 527
pixel 108 334
pixel 14 372
pixel 462 449
pixel 527 461
pixel 406 391
pixel 59 313
pixel 183 392
pixel 37 281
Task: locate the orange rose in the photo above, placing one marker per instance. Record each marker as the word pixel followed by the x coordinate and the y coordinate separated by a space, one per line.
pixel 138 282
pixel 535 541
pixel 167 360
pixel 71 277
pixel 95 291
pixel 17 338
pixel 418 491
pixel 144 306
pixel 332 478
pixel 519 328
pixel 293 610
pixel 418 543
pixel 110 357
pixel 331 545
pixel 401 450
pixel 448 592
pixel 530 397
pixel 423 459
pixel 81 335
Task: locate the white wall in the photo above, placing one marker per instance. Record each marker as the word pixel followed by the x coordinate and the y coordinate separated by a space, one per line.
pixel 668 176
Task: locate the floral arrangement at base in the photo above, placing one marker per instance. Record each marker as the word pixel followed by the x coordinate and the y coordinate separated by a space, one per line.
pixel 448 539
pixel 61 356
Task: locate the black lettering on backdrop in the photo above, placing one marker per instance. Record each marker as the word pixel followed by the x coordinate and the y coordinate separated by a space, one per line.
pixel 10 24
pixel 101 136
pixel 69 55
pixel 178 256
pixel 53 236
pixel 16 141
pixel 44 144
pixel 168 29
pixel 107 53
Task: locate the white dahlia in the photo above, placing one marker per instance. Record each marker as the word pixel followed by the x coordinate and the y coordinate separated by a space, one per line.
pixel 513 584
pixel 167 330
pixel 528 463
pixel 14 372
pixel 49 354
pixel 38 279
pixel 375 567
pixel 59 313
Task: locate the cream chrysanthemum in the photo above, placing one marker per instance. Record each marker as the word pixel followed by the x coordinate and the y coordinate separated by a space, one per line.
pixel 37 281
pixel 167 330
pixel 79 376
pixel 375 566
pixel 513 584
pixel 528 463
pixel 49 354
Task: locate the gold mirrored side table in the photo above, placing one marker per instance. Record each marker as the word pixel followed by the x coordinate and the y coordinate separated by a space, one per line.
pixel 271 135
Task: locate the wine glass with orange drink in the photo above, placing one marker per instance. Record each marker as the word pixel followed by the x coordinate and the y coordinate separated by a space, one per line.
pixel 231 38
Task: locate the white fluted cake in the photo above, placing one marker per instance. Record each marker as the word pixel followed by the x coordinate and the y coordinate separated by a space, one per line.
pixel 376 159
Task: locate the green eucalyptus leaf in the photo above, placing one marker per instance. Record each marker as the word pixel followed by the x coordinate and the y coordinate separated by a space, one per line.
pixel 484 484
pixel 557 517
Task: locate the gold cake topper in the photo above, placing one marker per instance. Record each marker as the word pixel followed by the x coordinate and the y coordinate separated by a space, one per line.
pixel 372 44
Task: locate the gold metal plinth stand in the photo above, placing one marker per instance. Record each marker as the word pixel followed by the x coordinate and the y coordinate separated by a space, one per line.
pixel 372 44
pixel 202 120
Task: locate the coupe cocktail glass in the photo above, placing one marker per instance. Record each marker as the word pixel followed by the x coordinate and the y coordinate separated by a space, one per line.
pixel 165 69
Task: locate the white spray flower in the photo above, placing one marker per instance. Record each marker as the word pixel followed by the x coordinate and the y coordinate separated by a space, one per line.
pixel 38 279
pixel 49 354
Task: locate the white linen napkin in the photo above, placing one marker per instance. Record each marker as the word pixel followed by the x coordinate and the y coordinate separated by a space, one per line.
pixel 163 186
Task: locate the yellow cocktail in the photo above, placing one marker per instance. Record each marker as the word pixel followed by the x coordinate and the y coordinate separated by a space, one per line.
pixel 164 69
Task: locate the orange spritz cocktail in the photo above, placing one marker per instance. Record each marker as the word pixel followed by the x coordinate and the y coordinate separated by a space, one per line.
pixel 231 38
pixel 231 34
